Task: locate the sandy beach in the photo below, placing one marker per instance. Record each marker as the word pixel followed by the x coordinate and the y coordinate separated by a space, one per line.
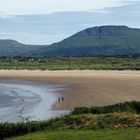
pixel 85 88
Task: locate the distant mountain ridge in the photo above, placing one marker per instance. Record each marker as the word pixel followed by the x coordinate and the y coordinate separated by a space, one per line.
pixel 11 48
pixel 103 31
pixel 96 41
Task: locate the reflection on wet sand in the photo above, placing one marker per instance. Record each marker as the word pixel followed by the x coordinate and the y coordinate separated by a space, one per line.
pixel 20 101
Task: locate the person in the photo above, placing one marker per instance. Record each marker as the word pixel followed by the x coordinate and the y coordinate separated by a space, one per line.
pixel 59 99
pixel 62 99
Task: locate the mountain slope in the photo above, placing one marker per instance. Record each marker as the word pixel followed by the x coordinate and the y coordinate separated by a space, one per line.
pixel 13 48
pixel 96 41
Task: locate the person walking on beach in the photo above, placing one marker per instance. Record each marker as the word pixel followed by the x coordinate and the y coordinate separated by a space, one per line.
pixel 62 99
pixel 59 99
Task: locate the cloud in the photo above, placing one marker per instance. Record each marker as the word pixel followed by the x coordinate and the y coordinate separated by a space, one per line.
pixel 53 27
pixel 30 7
pixel 3 16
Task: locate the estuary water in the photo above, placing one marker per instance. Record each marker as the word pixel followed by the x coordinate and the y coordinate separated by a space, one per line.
pixel 22 100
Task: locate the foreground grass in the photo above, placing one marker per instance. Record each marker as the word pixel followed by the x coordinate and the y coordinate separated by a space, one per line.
pixel 77 123
pixel 119 116
pixel 79 63
pixel 121 134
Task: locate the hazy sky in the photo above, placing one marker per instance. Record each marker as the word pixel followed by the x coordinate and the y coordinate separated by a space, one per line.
pixel 50 6
pixel 48 21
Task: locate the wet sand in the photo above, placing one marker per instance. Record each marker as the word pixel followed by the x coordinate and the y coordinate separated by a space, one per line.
pixel 86 88
pixel 22 100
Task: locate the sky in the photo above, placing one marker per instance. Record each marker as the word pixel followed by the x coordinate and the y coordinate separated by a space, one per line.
pixel 49 21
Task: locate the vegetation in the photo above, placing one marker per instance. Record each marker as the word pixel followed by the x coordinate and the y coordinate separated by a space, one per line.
pixel 122 134
pixel 96 41
pixel 83 120
pixel 73 63
pixel 133 107
pixel 13 48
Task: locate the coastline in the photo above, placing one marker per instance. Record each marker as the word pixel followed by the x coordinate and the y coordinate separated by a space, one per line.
pixel 22 100
pixel 87 87
pixel 66 73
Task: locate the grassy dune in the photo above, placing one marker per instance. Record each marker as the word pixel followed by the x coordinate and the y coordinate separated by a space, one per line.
pixel 117 122
pixel 73 63
pixel 122 134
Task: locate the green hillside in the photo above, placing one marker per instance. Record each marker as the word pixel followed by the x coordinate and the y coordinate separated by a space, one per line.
pixel 12 48
pixel 96 41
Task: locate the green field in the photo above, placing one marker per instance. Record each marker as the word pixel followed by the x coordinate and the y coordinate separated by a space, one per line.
pixel 79 63
pixel 122 134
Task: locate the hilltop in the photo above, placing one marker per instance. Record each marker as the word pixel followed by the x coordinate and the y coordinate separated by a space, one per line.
pixel 97 41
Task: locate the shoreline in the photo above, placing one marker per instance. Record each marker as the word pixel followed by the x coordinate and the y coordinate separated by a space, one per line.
pixel 64 73
pixel 23 100
pixel 86 87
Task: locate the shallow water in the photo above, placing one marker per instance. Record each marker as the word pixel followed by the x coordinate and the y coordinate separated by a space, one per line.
pixel 22 100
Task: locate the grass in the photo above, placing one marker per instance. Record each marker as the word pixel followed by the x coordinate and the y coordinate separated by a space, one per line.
pixel 72 63
pixel 77 123
pixel 100 121
pixel 87 123
pixel 121 134
pixel 119 116
pixel 133 107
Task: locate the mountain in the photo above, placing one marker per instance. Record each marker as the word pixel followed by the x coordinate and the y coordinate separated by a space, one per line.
pixel 13 48
pixel 96 41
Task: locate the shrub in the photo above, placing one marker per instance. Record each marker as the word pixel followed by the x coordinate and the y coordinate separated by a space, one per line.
pixel 133 107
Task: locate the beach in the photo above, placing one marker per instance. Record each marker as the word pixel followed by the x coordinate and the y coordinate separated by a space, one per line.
pixel 85 88
pixel 22 100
